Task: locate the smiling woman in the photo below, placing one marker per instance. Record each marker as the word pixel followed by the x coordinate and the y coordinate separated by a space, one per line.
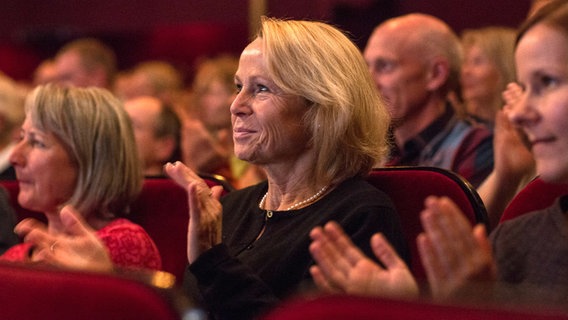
pixel 69 138
pixel 316 129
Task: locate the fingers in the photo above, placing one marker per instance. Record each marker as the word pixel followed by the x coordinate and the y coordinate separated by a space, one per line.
pixel 321 280
pixel 73 222
pixel 511 95
pixel 331 263
pixel 27 225
pixel 181 174
pixel 449 233
pixel 385 252
pixel 336 247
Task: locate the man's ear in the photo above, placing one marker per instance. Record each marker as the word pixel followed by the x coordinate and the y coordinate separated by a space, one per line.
pixel 438 73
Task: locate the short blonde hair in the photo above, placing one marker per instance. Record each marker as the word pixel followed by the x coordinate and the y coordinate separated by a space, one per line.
pixel 11 107
pixel 347 120
pixel 96 131
pixel 498 43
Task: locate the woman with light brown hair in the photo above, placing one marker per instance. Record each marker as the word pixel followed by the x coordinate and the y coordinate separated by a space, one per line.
pixel 487 68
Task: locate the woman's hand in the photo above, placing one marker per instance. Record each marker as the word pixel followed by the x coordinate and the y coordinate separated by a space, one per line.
pixel 513 158
pixel 342 267
pixel 77 248
pixel 452 253
pixel 205 210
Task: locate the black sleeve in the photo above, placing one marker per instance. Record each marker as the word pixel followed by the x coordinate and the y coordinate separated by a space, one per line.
pixel 229 287
pixel 7 222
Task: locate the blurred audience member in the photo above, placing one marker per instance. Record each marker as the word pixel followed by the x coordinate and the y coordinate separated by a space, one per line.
pixel 487 68
pixel 525 259
pixel 213 91
pixel 11 118
pixel 415 61
pixel 86 62
pixel 44 73
pixel 77 154
pixel 158 79
pixel 157 131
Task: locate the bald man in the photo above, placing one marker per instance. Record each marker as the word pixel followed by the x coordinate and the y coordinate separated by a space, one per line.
pixel 415 62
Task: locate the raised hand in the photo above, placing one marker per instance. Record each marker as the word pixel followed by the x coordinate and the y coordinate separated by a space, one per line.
pixel 78 247
pixel 453 254
pixel 343 268
pixel 205 210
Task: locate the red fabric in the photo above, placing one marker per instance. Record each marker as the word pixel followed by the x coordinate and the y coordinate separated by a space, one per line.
pixel 409 186
pixel 161 209
pixel 364 308
pixel 29 292
pixel 536 195
pixel 128 244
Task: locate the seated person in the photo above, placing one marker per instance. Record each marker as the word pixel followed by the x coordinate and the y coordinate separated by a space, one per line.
pixel 525 259
pixel 11 118
pixel 77 152
pixel 157 131
pixel 317 130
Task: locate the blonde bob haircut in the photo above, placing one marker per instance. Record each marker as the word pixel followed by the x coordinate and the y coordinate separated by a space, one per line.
pixel 97 134
pixel 498 43
pixel 346 120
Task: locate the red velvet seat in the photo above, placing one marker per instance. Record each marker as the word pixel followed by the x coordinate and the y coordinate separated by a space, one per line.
pixel 29 292
pixel 409 186
pixel 365 308
pixel 161 209
pixel 536 195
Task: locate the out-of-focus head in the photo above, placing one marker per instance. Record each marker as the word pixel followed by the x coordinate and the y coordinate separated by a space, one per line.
pixel 45 73
pixel 213 90
pixel 86 62
pixel 410 58
pixel 155 78
pixel 96 133
pixel 11 108
pixel 488 65
pixel 542 70
pixel 342 117
pixel 157 131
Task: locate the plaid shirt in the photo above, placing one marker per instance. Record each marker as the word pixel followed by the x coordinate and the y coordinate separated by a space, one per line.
pixel 461 146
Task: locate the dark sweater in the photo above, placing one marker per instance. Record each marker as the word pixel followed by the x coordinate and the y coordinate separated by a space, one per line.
pixel 531 253
pixel 241 278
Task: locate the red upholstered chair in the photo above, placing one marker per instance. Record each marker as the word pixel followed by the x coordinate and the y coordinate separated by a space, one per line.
pixel 366 308
pixel 409 186
pixel 536 195
pixel 29 292
pixel 161 209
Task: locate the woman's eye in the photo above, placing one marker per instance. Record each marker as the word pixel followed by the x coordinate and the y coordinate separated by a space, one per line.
pixel 262 88
pixel 548 81
pixel 238 87
pixel 37 143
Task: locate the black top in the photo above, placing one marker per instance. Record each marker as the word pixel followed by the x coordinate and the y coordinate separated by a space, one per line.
pixel 7 222
pixel 243 277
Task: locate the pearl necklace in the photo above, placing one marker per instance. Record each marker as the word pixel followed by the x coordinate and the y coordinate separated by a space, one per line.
pixel 297 204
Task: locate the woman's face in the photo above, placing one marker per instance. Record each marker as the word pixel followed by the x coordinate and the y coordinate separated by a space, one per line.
pixel 267 123
pixel 542 66
pixel 480 79
pixel 47 177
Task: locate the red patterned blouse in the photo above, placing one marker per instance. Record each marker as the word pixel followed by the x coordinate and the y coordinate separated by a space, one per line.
pixel 128 244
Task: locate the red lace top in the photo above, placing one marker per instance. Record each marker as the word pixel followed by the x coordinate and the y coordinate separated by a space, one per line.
pixel 128 244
